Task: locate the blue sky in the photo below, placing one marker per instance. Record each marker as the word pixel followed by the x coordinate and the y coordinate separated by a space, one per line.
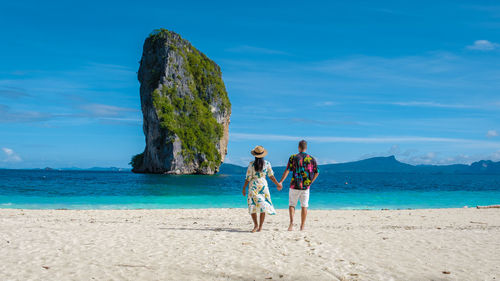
pixel 419 80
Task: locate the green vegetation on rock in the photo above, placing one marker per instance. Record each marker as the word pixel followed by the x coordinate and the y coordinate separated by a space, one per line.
pixel 192 121
pixel 206 74
pixel 136 160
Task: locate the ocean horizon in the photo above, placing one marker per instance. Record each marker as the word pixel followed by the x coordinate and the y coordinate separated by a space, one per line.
pixel 54 189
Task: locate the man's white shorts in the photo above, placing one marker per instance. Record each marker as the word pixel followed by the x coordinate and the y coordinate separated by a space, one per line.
pixel 296 194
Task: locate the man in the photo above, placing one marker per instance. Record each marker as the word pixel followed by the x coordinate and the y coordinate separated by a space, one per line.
pixel 304 172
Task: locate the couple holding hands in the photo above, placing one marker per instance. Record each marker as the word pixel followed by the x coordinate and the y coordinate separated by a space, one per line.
pixel 304 171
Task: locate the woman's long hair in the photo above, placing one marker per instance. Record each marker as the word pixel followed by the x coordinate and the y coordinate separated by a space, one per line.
pixel 258 164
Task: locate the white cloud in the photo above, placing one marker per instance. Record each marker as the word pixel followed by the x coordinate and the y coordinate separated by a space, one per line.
pixel 7 115
pixel 492 133
pixel 394 150
pixel 241 161
pixel 256 50
pixel 103 110
pixel 495 156
pixel 325 103
pixel 427 158
pixel 382 139
pixel 327 161
pixel 437 158
pixel 483 45
pixel 431 104
pixel 11 155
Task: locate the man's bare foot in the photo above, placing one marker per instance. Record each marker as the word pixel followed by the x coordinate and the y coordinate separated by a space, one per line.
pixel 260 228
pixel 255 228
pixel 302 227
pixel 290 227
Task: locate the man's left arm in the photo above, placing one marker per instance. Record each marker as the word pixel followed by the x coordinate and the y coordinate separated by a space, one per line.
pixel 283 177
pixel 316 171
pixel 289 166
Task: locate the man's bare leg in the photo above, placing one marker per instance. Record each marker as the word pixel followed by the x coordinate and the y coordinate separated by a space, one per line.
pixel 291 211
pixel 261 222
pixel 255 224
pixel 303 216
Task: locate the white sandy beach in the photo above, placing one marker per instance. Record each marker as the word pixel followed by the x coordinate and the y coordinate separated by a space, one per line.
pixel 214 244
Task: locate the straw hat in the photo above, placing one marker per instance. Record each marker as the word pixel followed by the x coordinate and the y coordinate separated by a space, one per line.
pixel 259 151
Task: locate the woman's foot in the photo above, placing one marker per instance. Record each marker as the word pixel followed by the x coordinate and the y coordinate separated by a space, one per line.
pixel 260 228
pixel 290 227
pixel 302 227
pixel 255 228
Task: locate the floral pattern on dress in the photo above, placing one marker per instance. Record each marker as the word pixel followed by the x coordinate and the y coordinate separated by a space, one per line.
pixel 303 167
pixel 259 198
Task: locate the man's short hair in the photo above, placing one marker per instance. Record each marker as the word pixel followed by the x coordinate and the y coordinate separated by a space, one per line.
pixel 302 144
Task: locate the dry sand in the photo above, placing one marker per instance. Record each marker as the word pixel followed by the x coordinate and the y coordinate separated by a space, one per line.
pixel 214 244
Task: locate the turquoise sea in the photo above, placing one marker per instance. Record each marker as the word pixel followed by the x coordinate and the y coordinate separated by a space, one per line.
pixel 40 189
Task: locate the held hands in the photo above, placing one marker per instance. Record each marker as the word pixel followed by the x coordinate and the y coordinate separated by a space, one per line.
pixel 279 186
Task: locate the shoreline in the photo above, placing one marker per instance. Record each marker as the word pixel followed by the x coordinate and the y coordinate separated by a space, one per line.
pixel 493 206
pixel 215 244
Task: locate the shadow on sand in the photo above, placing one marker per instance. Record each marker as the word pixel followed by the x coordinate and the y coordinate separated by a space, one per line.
pixel 215 229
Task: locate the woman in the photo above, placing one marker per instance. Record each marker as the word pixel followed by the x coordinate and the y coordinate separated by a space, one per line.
pixel 259 199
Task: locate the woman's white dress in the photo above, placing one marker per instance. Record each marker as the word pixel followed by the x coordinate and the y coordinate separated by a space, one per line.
pixel 259 198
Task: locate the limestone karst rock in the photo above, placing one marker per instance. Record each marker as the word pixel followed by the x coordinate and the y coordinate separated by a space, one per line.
pixel 185 106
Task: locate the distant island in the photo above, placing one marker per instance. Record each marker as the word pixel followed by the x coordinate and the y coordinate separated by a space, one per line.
pixel 95 169
pixel 391 165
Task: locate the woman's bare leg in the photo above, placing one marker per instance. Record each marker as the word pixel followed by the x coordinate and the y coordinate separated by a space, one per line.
pixel 255 224
pixel 261 223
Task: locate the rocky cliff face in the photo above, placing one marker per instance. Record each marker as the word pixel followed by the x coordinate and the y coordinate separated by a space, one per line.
pixel 185 107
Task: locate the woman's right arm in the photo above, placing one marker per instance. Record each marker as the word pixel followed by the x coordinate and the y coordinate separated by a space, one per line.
pixel 245 188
